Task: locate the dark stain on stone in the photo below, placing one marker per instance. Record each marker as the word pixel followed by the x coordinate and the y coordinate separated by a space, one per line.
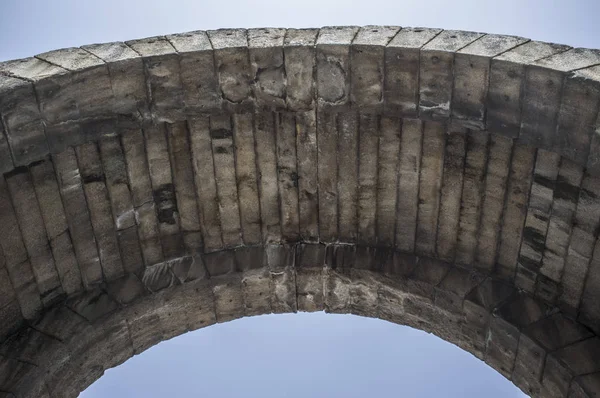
pixel 37 162
pixel 588 195
pixel 528 264
pixel 221 150
pixel 17 171
pixel 543 181
pixel 534 238
pixel 295 178
pixel 220 133
pixel 93 177
pixel 564 190
pixel 166 203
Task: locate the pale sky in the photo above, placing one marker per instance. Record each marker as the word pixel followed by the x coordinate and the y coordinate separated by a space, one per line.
pixel 297 355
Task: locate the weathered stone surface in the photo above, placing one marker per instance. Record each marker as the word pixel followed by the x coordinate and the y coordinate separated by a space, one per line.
pixel 128 81
pixel 232 65
pixel 409 167
pixel 197 69
pixel 247 186
pixel 266 164
pixel 387 180
pixel 185 188
pixel 200 177
pixel 451 193
pixel 163 190
pixel 327 153
pixel 430 182
pixel 436 72
pixel 581 357
pixel 476 159
pixel 367 178
pixel 22 125
pixel 287 172
pixel 401 77
pixel 544 87
pixel 163 77
pixel 367 68
pixel 142 200
pixel 333 64
pixel 519 181
pixel 267 62
pixel 581 246
pixel 506 85
pixel 545 174
pixel 496 183
pixel 557 331
pixel 300 61
pixel 471 77
pixel 501 348
pixel 556 378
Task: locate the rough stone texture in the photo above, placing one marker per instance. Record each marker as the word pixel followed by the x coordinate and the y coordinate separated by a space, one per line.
pixel 444 180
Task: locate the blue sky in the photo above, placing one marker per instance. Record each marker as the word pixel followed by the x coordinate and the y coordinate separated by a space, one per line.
pixel 300 355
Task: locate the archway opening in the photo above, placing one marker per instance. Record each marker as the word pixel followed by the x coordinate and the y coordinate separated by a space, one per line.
pixel 304 355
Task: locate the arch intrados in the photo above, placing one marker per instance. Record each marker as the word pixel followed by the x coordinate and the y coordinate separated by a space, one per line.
pixel 532 105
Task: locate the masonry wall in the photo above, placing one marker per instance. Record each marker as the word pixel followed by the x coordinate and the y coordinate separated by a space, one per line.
pixel 446 180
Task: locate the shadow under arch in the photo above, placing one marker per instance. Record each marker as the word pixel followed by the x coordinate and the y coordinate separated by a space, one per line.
pixel 509 330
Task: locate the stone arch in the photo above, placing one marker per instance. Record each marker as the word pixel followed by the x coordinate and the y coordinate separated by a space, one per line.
pixel 446 180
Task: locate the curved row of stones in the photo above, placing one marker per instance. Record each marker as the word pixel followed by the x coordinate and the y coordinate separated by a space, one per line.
pixel 543 94
pixel 523 339
pixel 152 176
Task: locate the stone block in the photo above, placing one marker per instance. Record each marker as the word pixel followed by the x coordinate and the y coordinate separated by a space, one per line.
pixel 522 310
pixel 498 168
pixel 89 82
pixel 163 77
pixel 581 357
pixel 529 365
pixel 93 304
pixel 367 65
pixel 506 85
pixel 256 290
pixel 454 287
pixel 198 75
pixel 333 65
pixel 336 292
pixel 283 290
pixel 127 77
pixel 307 160
pixel 471 77
pixel 409 168
pixel 246 175
pixel 126 289
pixel 577 115
pixel 268 70
pixel 233 66
pixel 436 72
pixel 401 80
pixel 556 378
pixel 300 61
pixel 501 349
pixel 590 384
pixel 23 128
pixel 206 186
pixel 229 297
pixel 544 86
pixel 309 289
pixel 490 293
pixel 557 331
